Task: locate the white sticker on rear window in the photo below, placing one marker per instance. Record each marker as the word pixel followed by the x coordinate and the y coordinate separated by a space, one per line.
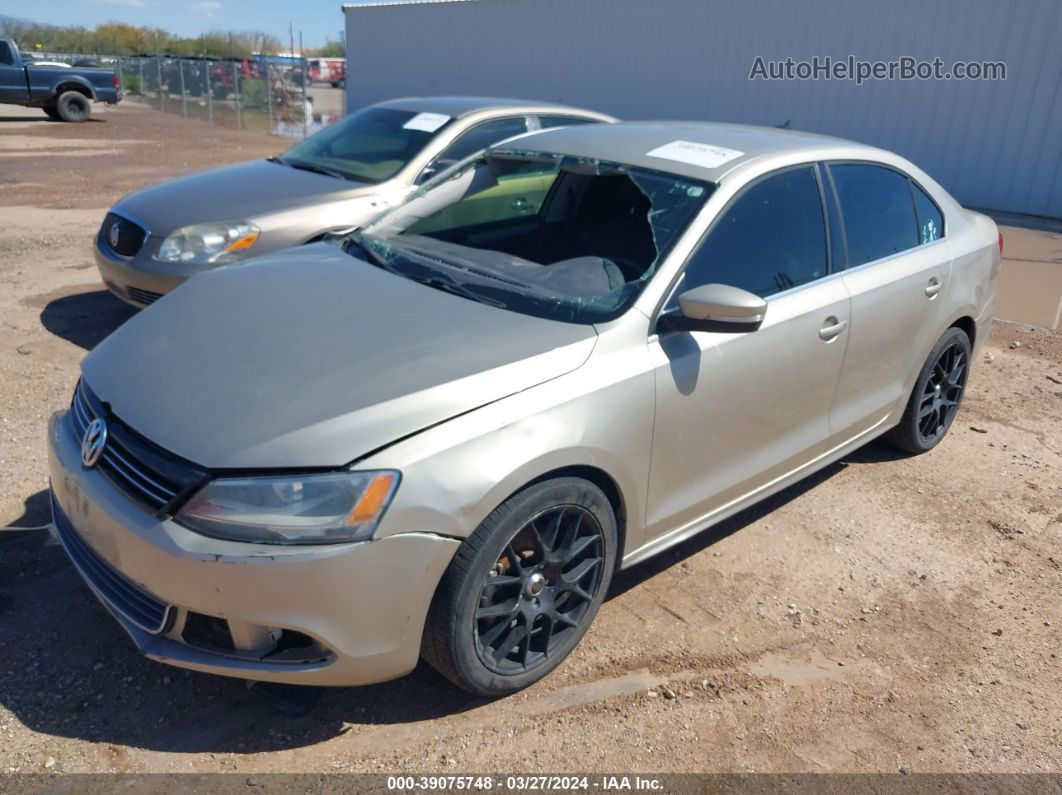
pixel 703 155
pixel 427 122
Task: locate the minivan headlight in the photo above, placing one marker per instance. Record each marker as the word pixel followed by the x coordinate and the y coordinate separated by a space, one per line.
pixel 209 244
pixel 329 508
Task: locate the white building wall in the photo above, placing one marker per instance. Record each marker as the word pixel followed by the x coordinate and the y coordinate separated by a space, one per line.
pixel 994 145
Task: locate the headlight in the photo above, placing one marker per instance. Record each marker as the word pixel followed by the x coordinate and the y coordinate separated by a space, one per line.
pixel 299 509
pixel 209 244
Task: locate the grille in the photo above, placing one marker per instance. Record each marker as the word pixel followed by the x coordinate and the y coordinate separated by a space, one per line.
pixel 122 595
pixel 142 470
pixel 131 236
pixel 145 297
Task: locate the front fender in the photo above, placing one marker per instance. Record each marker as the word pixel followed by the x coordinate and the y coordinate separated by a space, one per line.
pixel 455 474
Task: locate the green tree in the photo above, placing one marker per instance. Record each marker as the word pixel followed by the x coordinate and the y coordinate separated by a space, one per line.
pixel 118 38
pixel 331 49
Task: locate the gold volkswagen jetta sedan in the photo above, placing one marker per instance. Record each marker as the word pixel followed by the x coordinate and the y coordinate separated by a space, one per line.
pixel 441 435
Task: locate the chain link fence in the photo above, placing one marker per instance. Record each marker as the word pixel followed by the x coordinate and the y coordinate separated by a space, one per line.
pixel 261 94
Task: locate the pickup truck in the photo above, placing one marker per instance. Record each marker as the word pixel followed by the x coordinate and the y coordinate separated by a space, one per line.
pixel 62 93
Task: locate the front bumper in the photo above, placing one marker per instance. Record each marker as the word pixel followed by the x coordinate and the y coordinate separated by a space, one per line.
pixel 362 605
pixel 139 280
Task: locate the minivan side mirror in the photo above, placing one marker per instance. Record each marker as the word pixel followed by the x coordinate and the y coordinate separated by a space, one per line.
pixel 716 307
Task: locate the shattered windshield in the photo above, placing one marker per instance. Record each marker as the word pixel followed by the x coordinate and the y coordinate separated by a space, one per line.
pixel 559 237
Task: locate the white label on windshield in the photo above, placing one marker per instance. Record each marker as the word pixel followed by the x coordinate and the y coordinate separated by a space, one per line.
pixel 428 122
pixel 703 155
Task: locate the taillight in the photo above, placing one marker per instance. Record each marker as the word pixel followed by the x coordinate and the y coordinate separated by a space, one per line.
pixel 1001 244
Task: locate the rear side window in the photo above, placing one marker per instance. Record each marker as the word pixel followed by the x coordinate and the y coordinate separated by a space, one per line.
pixel 6 57
pixel 770 239
pixel 930 219
pixel 879 216
pixel 546 122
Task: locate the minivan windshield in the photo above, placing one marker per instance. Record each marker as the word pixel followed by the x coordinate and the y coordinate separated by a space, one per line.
pixel 370 146
pixel 566 238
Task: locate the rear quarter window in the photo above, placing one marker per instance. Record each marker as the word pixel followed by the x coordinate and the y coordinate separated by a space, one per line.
pixel 930 218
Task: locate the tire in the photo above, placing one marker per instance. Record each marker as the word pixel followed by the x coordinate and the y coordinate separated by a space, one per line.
pixel 521 547
pixel 52 111
pixel 936 397
pixel 73 106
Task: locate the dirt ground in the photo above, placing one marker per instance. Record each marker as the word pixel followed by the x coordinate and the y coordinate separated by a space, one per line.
pixel 889 613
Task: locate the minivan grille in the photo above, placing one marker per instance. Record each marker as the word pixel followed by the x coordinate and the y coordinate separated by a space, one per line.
pixel 130 236
pixel 121 594
pixel 145 472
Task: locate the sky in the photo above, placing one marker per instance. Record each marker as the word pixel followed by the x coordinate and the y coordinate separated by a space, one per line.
pixel 318 19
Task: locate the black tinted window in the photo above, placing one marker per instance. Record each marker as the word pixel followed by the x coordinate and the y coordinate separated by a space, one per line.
pixel 547 122
pixel 930 219
pixel 5 54
pixel 770 239
pixel 480 137
pixel 879 216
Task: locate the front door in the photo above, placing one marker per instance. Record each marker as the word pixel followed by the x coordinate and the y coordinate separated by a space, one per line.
pixel 12 76
pixel 736 412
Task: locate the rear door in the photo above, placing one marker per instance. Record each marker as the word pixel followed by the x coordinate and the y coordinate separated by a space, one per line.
pixel 897 274
pixel 12 76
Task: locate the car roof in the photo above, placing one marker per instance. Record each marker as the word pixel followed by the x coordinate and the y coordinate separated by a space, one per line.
pixel 458 106
pixel 630 143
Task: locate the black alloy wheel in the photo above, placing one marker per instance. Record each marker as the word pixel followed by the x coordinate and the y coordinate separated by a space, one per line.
pixel 522 590
pixel 539 589
pixel 942 393
pixel 937 395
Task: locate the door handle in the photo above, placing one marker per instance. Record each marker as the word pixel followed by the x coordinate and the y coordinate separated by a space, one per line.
pixel 933 287
pixel 831 328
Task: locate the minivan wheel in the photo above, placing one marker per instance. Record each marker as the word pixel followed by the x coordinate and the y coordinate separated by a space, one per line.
pixel 937 393
pixel 73 106
pixel 523 588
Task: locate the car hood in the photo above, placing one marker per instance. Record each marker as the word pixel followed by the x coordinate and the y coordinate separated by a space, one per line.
pixel 311 357
pixel 233 193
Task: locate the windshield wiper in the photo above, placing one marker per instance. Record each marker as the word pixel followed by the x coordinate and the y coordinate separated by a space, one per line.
pixel 451 286
pixel 303 165
pixel 438 281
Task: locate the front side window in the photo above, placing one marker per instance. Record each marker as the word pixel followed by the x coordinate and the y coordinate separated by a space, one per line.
pixel 372 145
pixel 879 216
pixel 559 237
pixel 771 238
pixel 480 137
pixel 6 58
pixel 930 219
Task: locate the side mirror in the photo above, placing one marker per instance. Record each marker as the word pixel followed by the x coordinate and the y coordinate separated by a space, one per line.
pixel 427 173
pixel 716 307
pixel 434 168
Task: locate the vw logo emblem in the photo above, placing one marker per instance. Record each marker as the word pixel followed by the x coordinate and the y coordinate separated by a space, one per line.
pixel 93 442
pixel 113 235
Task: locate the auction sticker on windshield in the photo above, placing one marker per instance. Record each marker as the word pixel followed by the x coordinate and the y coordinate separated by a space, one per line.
pixel 703 155
pixel 427 122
